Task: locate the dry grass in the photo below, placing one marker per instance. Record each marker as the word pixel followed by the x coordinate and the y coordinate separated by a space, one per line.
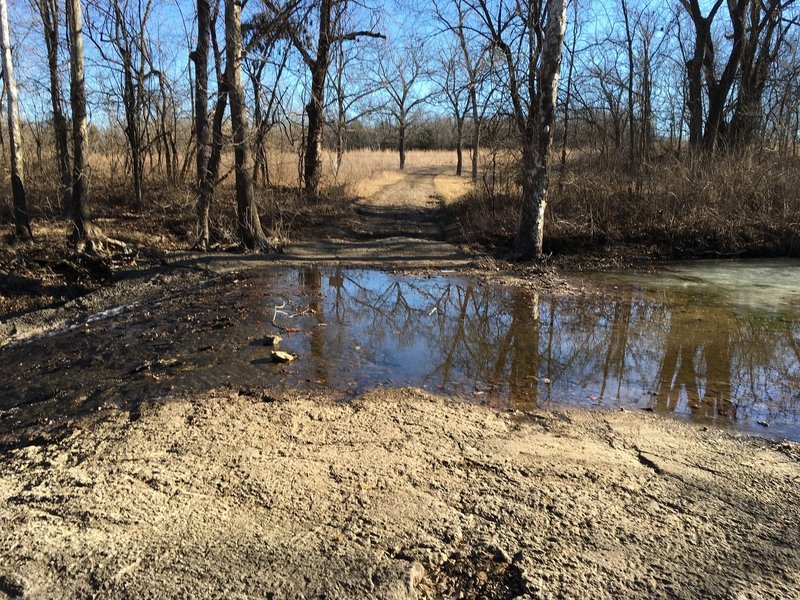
pixel 361 173
pixel 370 186
pixel 364 171
pixel 733 204
pixel 450 188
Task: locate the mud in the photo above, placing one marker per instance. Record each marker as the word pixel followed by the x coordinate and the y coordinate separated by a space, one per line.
pixel 399 494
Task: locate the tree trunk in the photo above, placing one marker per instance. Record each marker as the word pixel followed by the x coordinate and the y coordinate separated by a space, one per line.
pixel 471 69
pixel 758 55
pixel 312 167
pixel 200 59
pixel 259 122
pixel 341 129
pixel 206 192
pixel 747 118
pixel 476 133
pixel 459 146
pixel 48 11
pixel 530 234
pixel 84 231
pixel 312 160
pixel 694 74
pixel 250 233
pixel 631 120
pixel 260 166
pixel 22 223
pixel 718 91
pixel 646 123
pixel 565 133
pixel 133 130
pixel 401 144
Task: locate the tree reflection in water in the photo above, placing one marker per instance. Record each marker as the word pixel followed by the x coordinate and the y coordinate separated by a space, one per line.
pixel 659 348
pixel 518 348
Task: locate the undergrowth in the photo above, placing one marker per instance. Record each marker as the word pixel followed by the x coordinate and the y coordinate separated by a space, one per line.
pixel 728 205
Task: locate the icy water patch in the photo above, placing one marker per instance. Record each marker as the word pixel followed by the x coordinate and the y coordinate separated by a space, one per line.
pixel 681 342
pixel 761 286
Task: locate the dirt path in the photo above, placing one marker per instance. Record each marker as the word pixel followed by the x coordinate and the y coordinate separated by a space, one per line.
pixel 399 223
pixel 411 206
pixel 399 495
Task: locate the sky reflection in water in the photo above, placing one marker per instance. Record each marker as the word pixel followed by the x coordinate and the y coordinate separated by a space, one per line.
pixel 673 348
pixel 689 342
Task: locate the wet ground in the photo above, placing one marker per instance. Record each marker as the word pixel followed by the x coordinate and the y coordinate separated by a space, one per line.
pixel 686 341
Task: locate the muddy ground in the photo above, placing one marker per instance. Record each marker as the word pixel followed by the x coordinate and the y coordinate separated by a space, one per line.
pixel 264 493
pixel 397 495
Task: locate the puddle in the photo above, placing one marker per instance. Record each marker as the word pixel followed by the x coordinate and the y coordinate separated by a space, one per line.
pixel 676 343
pixel 760 286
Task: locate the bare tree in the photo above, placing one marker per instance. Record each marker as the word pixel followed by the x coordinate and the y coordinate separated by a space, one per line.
pixel 401 73
pixel 121 38
pixel 318 65
pixel 454 16
pixel 530 40
pixel 22 223
pixel 267 55
pixel 766 33
pixel 640 31
pixel 568 96
pixel 352 89
pixel 49 13
pixel 295 15
pixel 455 91
pixel 84 232
pixel 249 225
pixel 704 66
pixel 203 184
pixel 629 51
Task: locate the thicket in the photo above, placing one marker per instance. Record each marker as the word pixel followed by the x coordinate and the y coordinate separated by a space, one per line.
pixel 737 203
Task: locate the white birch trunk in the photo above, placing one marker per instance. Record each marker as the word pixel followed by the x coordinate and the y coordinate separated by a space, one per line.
pixel 530 234
pixel 21 217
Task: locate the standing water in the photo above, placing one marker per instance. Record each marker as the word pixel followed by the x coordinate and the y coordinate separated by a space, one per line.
pixel 717 343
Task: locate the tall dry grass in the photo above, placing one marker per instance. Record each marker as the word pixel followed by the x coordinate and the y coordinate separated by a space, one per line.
pixel 729 204
pixel 743 203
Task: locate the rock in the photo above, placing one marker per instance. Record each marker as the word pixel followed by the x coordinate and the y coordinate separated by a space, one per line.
pixel 281 357
pixel 13 585
pixel 397 580
pixel 272 340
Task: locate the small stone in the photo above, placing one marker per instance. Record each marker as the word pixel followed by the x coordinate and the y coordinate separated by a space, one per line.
pixel 13 585
pixel 272 340
pixel 279 356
